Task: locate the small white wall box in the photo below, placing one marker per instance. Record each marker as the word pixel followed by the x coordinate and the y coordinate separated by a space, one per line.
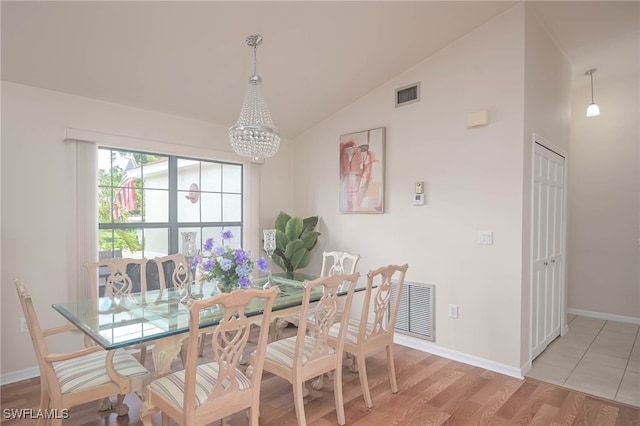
pixel 478 118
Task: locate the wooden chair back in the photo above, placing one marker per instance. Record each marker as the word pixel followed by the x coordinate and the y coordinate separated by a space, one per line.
pixel 316 322
pixel 373 322
pixel 338 262
pixel 47 375
pixel 72 378
pixel 333 263
pixel 311 353
pixel 119 280
pixel 177 268
pixel 229 342
pixel 374 332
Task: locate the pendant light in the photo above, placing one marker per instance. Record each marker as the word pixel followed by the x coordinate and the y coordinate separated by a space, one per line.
pixel 254 134
pixel 592 110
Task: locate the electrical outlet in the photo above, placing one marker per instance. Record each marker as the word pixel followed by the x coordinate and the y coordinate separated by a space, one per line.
pixel 23 326
pixel 453 311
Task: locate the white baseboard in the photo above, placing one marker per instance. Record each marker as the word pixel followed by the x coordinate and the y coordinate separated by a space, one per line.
pixel 604 316
pixel 487 364
pixel 16 376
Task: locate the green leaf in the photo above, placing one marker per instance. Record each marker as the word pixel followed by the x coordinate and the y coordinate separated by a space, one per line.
pixel 129 238
pixel 309 224
pixel 305 260
pixel 310 239
pixel 292 248
pixel 281 221
pixel 298 257
pixel 281 240
pixel 294 228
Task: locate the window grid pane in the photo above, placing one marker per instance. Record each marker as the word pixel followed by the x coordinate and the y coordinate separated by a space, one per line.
pixel 136 197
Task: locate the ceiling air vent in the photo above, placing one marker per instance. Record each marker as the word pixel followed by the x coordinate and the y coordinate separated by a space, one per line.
pixel 408 94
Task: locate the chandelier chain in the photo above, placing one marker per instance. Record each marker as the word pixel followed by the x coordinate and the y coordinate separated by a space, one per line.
pixel 255 64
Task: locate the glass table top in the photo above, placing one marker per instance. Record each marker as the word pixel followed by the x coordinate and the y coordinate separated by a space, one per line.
pixel 142 317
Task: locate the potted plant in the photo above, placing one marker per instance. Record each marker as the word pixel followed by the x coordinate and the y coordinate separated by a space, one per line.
pixel 295 238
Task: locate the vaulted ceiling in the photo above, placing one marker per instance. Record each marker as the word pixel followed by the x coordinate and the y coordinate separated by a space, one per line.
pixel 190 59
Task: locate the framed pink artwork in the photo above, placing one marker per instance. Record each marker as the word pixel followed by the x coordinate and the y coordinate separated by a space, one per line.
pixel 362 171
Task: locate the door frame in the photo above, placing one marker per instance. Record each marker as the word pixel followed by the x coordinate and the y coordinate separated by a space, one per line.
pixel 539 140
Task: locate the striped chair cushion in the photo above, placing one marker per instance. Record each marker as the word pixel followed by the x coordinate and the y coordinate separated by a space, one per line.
pixel 90 370
pixel 352 331
pixel 172 386
pixel 283 351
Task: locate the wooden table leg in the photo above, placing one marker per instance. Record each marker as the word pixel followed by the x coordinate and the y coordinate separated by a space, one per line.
pixel 165 351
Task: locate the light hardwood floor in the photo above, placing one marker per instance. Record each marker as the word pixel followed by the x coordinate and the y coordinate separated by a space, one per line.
pixel 432 391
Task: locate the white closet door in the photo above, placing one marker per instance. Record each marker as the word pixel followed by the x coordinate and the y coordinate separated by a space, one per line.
pixel 548 259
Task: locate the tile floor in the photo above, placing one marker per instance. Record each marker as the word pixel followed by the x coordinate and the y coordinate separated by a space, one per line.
pixel 597 357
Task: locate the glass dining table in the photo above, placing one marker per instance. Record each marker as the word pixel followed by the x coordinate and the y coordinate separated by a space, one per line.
pixel 160 317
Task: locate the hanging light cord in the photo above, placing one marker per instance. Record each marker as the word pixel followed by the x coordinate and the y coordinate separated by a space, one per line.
pixel 591 75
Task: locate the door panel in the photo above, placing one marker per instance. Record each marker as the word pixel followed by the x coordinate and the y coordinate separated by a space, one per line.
pixel 547 216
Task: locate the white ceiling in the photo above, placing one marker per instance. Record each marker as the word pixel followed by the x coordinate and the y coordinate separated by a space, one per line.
pixel 189 58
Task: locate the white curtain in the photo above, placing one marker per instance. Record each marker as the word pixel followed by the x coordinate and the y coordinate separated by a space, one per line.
pixel 83 229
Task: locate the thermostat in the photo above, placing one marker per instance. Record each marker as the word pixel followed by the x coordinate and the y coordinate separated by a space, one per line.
pixel 418 196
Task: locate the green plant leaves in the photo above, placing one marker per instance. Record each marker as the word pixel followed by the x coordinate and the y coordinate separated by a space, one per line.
pixel 293 229
pixel 310 239
pixel 281 240
pixel 281 221
pixel 295 237
pixel 309 224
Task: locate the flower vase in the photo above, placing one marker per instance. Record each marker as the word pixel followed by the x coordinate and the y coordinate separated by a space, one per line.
pixel 226 286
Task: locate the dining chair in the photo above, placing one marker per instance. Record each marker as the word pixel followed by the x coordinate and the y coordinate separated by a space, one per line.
pixel 201 394
pixel 119 280
pixel 175 272
pixel 89 374
pixel 175 267
pixel 309 355
pixel 333 263
pixel 179 269
pixel 374 330
pixel 118 274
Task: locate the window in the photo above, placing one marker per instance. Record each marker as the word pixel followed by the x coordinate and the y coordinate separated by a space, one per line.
pixel 146 200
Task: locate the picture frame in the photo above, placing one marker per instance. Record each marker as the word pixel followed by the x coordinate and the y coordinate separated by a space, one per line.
pixel 362 171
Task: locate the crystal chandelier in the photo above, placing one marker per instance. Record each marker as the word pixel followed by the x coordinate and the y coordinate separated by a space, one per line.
pixel 254 134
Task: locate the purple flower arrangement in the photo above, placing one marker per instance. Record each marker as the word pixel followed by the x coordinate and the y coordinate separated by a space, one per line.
pixel 231 267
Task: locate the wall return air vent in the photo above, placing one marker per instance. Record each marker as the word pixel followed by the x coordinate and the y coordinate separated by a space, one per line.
pixel 416 313
pixel 408 94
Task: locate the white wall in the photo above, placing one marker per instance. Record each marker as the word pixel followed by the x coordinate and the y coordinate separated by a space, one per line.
pixel 35 191
pixel 547 113
pixel 473 180
pixel 604 202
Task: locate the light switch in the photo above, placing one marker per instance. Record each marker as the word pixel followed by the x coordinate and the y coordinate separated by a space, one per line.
pixel 419 189
pixel 485 237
